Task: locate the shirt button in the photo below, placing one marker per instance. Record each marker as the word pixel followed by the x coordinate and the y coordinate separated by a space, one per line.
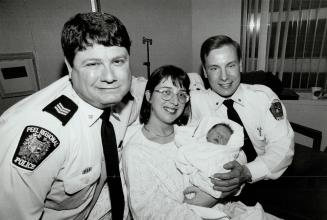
pixel 217 103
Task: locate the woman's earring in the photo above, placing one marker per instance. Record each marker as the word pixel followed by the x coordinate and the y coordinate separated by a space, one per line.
pixel 147 95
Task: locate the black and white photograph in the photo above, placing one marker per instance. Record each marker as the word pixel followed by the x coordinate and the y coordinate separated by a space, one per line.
pixel 163 109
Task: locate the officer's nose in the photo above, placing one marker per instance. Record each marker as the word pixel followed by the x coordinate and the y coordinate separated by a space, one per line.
pixel 224 74
pixel 107 73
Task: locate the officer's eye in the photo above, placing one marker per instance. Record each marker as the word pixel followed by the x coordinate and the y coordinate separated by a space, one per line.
pixel 213 69
pixel 119 61
pixel 93 64
pixel 232 65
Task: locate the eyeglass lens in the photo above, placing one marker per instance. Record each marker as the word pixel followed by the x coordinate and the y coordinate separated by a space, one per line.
pixel 168 95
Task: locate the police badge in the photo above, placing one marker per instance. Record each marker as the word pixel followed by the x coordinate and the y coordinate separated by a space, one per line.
pixel 276 109
pixel 34 146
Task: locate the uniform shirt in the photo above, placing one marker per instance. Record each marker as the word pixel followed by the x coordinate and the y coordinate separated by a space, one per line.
pixel 60 177
pixel 268 128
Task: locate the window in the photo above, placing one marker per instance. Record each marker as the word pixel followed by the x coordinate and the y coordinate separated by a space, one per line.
pixel 287 38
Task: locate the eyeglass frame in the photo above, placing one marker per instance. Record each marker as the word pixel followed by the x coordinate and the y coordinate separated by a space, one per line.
pixel 162 90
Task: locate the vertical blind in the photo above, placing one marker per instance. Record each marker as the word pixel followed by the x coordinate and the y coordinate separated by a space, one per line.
pixel 287 38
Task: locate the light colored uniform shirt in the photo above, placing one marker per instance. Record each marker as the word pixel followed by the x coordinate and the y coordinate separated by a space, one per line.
pixel 268 129
pixel 64 162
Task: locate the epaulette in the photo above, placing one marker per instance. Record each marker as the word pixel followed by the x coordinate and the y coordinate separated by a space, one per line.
pixel 62 108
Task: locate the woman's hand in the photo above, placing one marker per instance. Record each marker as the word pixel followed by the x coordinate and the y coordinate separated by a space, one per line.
pixel 229 183
pixel 195 196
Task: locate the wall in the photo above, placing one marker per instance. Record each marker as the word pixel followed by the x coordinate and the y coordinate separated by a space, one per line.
pixel 213 17
pixel 35 26
pixel 167 23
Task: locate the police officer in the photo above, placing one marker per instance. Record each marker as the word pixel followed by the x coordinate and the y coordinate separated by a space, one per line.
pixel 51 156
pixel 261 113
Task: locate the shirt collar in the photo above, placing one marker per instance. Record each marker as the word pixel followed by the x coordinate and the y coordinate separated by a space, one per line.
pixel 237 97
pixel 92 113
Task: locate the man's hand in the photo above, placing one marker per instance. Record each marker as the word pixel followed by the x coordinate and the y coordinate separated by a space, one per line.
pixel 229 183
pixel 195 196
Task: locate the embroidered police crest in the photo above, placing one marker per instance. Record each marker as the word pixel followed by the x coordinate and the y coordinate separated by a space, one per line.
pixel 276 109
pixel 34 146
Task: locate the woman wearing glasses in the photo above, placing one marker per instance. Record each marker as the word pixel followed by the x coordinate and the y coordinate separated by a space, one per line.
pixel 155 185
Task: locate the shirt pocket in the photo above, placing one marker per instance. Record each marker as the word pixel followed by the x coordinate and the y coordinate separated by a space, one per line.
pixel 84 179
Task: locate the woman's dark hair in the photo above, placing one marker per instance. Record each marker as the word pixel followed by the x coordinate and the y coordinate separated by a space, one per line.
pixel 216 42
pixel 85 29
pixel 179 78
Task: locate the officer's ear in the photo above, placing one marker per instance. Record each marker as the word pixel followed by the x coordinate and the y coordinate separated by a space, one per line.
pixel 241 67
pixel 204 72
pixel 69 68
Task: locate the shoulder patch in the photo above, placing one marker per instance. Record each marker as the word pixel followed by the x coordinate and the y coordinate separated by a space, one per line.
pixel 276 109
pixel 34 146
pixel 62 108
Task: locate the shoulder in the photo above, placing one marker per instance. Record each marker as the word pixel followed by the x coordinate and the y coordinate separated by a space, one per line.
pixel 259 93
pixel 202 96
pixel 62 108
pixel 138 87
pixel 132 133
pixel 202 92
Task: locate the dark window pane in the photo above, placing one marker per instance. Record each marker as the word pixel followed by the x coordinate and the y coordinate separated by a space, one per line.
pixel 296 80
pixel 322 80
pixel 304 80
pixel 312 79
pixel 296 4
pixel 287 79
pixel 306 45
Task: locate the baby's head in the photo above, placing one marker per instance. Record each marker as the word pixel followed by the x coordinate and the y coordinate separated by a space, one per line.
pixel 219 134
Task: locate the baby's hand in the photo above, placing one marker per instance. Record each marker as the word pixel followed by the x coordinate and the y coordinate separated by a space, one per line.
pixel 189 195
pixel 194 196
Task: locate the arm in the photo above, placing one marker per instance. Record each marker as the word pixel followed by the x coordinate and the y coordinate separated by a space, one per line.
pixel 279 150
pixel 150 196
pixel 25 190
pixel 276 150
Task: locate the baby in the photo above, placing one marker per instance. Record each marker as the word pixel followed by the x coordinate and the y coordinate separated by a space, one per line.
pixel 219 134
pixel 205 148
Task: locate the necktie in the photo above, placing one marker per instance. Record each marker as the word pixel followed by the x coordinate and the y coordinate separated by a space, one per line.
pixel 112 165
pixel 248 148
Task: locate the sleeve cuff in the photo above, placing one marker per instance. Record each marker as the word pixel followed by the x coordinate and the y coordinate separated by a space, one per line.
pixel 258 170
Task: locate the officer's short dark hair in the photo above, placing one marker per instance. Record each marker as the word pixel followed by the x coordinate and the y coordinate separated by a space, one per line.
pixel 85 29
pixel 216 42
pixel 179 78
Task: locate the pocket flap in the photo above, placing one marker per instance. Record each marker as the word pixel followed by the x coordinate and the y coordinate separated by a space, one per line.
pixel 87 177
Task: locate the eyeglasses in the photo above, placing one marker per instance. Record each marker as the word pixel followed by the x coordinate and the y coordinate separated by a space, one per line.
pixel 167 94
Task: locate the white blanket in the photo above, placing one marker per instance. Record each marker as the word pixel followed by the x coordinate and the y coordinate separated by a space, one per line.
pixel 199 159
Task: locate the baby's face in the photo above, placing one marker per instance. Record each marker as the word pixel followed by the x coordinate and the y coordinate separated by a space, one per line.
pixel 219 135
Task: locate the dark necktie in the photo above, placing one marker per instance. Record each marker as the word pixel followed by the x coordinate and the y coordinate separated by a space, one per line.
pixel 112 165
pixel 248 148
